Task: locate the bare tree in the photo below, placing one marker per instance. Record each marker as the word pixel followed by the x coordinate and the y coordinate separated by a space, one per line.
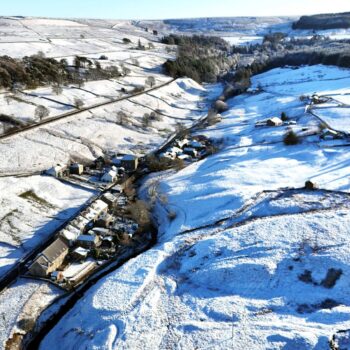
pixel 78 103
pixel 140 212
pixel 123 118
pixel 151 81
pixel 8 99
pixel 41 112
pixel 57 89
pixel 125 70
pixel 146 120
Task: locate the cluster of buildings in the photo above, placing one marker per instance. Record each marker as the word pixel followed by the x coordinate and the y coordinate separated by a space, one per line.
pixel 187 149
pixel 103 171
pixel 324 133
pixel 90 239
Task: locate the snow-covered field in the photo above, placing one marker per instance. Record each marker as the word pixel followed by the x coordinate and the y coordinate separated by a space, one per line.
pixel 248 262
pixel 31 208
pixel 88 134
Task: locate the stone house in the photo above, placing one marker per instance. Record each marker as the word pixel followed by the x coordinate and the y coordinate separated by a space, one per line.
pixel 50 259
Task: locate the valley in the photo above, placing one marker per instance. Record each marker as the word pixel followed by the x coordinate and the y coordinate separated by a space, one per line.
pixel 226 215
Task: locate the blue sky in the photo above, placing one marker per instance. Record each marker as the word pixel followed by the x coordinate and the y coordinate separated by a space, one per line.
pixel 156 9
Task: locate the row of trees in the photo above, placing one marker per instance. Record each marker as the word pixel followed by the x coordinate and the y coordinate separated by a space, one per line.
pixel 201 58
pixel 38 70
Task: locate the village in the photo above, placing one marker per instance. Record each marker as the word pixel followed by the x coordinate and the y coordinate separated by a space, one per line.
pixel 106 227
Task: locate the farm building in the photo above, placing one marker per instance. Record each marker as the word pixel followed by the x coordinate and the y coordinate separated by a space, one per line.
pixel 76 169
pixel 78 271
pixel 57 171
pixel 88 241
pixel 50 259
pixel 274 122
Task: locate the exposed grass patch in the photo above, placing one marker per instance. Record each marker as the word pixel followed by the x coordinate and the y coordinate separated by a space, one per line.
pixel 31 196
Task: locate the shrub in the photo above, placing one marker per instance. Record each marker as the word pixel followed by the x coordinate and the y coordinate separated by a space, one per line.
pixel 284 116
pixel 126 41
pixel 291 138
pixel 172 215
pixel 221 106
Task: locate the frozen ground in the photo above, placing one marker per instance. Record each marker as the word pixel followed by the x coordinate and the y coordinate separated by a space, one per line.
pixel 248 262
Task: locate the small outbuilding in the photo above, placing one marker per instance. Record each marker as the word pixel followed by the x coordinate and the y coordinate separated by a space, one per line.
pixel 57 171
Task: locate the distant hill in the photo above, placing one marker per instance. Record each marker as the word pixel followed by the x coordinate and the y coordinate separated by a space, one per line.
pixel 323 22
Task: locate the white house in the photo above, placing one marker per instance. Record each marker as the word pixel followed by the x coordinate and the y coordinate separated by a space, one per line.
pixel 109 176
pixel 57 170
pixel 274 121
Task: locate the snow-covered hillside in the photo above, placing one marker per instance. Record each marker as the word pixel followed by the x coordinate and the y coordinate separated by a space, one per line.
pixel 252 260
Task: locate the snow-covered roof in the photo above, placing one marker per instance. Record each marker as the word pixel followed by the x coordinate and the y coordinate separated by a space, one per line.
pixel 275 120
pixel 90 214
pixel 87 238
pixel 99 206
pixel 128 157
pixel 110 175
pixel 80 222
pixel 81 251
pixel 69 235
